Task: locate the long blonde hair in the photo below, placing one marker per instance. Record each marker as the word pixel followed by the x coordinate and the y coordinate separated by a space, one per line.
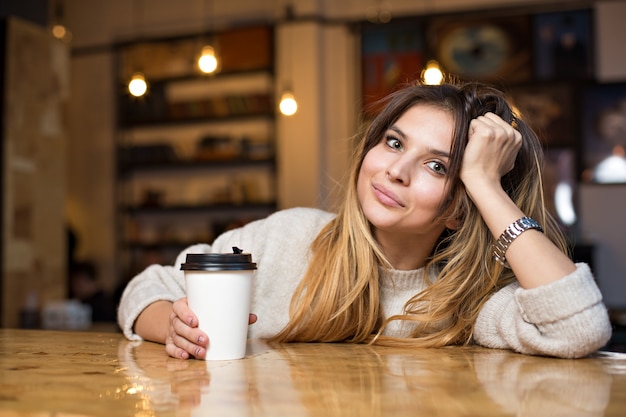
pixel 338 299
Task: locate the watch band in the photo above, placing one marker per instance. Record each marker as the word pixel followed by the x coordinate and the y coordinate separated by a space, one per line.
pixel 509 235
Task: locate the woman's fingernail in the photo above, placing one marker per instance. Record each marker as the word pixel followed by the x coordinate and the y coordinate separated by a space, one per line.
pixel 200 339
pixel 197 352
pixel 191 321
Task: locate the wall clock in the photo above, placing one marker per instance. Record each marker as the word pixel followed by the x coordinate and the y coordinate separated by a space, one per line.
pixel 487 49
pixel 475 51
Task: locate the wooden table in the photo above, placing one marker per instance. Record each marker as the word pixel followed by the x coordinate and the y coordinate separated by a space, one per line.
pixel 50 373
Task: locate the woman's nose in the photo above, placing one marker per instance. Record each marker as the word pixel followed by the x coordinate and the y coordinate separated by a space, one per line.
pixel 399 171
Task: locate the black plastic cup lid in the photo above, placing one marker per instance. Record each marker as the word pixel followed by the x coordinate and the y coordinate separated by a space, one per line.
pixel 237 261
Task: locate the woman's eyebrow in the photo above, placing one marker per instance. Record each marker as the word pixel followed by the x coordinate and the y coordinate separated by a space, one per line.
pixel 438 152
pixel 397 130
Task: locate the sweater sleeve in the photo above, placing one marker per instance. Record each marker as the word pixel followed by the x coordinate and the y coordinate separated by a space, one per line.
pixel 269 239
pixel 565 318
pixel 155 283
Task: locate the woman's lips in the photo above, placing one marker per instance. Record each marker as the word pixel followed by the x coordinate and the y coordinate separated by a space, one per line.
pixel 387 197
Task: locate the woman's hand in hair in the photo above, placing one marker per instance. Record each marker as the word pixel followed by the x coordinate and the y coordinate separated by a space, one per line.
pixel 491 150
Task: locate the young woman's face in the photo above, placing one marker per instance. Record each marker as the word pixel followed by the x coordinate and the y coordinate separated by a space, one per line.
pixel 401 184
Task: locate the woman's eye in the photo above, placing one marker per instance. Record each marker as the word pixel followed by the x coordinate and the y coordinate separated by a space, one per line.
pixel 393 143
pixel 437 167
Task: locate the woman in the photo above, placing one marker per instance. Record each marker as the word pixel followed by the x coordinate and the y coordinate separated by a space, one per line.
pixel 416 255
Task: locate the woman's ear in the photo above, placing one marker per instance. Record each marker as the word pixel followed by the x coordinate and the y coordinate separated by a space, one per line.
pixel 454 218
pixel 453 223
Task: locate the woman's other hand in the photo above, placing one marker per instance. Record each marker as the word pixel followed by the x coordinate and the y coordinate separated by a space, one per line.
pixel 185 339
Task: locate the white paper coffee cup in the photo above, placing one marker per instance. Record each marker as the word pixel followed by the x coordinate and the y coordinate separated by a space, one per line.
pixel 219 292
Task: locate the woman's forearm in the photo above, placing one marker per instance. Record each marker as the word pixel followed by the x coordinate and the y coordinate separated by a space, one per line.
pixel 532 256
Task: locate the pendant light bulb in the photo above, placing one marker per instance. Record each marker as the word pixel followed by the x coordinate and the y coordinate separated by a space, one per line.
pixel 432 75
pixel 288 104
pixel 138 85
pixel 207 61
pixel 60 32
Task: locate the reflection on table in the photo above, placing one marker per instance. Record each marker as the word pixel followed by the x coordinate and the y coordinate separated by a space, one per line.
pixel 102 374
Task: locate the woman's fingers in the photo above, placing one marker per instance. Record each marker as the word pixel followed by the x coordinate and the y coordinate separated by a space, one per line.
pixel 184 313
pixel 492 147
pixel 185 338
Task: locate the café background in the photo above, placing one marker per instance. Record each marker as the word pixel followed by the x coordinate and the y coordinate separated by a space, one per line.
pixel 65 177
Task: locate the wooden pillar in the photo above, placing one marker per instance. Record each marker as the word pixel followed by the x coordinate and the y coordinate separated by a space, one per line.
pixel 34 92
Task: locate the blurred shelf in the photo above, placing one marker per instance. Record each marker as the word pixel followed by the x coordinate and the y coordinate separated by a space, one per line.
pixel 127 168
pixel 193 138
pixel 207 208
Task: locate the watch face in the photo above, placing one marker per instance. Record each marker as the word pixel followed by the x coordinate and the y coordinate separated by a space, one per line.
pixel 475 51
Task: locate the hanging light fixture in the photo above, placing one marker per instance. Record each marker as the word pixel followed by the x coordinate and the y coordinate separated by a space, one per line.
pixel 288 104
pixel 58 28
pixel 208 62
pixel 432 74
pixel 138 85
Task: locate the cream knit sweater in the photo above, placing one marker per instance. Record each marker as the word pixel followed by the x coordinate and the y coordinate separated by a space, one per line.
pixel 565 318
